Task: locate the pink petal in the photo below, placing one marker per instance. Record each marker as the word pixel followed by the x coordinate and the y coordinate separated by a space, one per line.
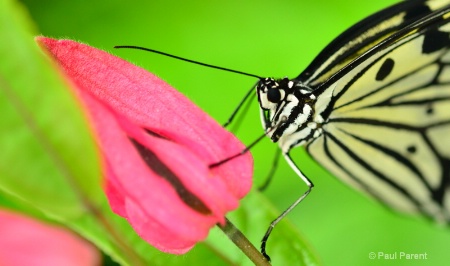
pixel 26 242
pixel 157 146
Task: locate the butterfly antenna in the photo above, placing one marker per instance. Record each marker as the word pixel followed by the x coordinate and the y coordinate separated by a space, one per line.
pixel 244 151
pixel 247 149
pixel 187 60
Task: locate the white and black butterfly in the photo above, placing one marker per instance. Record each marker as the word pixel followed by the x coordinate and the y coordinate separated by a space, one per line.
pixel 373 108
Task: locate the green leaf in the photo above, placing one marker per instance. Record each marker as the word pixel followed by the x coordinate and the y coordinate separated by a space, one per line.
pixel 49 166
pixel 47 150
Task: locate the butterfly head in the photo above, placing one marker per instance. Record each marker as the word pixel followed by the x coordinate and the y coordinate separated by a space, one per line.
pixel 286 108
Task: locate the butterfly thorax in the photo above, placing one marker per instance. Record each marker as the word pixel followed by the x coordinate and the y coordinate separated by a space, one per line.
pixel 287 109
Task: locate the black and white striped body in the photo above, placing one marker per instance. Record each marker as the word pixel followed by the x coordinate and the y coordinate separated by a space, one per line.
pixel 374 108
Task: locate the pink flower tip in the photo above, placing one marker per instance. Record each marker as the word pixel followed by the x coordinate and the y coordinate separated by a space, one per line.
pixel 157 147
pixel 25 241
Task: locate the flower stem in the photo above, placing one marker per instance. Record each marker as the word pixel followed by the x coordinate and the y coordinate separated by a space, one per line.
pixel 243 243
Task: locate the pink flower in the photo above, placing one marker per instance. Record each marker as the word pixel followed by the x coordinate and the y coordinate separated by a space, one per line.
pixel 157 147
pixel 24 242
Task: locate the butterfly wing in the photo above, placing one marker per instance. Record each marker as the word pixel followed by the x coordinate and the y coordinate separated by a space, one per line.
pixel 362 36
pixel 387 126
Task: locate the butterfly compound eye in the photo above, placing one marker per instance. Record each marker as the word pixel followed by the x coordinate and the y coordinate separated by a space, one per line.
pixel 274 95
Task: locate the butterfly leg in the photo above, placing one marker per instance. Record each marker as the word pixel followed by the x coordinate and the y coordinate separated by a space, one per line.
pixel 239 106
pixel 274 167
pixel 290 208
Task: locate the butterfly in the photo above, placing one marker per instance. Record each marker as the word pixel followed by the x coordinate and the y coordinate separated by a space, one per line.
pixel 373 108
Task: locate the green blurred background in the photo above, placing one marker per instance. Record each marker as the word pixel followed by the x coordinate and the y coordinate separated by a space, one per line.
pixel 267 38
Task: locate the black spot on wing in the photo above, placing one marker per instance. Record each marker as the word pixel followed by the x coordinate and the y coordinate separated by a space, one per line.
pixel 429 110
pixel 385 69
pixel 411 149
pixel 434 41
pixel 418 11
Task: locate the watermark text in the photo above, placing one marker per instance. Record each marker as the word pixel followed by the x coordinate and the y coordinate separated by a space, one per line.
pixel 397 255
